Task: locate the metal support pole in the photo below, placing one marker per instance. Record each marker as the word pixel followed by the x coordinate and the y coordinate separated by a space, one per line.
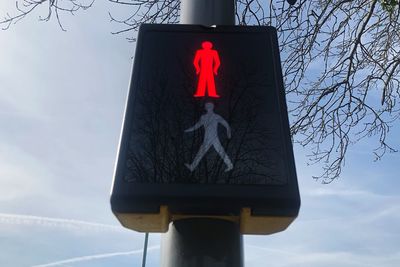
pixel 146 240
pixel 204 242
pixel 208 12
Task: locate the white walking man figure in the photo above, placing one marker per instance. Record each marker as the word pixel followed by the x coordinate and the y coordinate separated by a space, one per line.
pixel 210 122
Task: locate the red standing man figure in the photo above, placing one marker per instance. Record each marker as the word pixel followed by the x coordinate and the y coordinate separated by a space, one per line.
pixel 206 62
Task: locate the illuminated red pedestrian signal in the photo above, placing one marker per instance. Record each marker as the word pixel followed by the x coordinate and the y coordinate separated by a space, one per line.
pixel 206 62
pixel 206 131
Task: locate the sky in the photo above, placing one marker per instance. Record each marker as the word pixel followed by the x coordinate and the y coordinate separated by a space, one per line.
pixel 62 97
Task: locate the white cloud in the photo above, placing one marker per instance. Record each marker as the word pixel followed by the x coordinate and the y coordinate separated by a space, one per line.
pixel 21 175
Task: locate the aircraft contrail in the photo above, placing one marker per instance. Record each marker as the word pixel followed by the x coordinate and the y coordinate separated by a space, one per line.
pixel 94 257
pixel 56 222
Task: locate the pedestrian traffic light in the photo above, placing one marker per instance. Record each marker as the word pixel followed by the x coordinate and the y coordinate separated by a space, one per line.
pixel 206 131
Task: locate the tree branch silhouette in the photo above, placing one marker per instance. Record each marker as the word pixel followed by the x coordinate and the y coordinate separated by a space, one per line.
pixel 340 61
pixel 54 8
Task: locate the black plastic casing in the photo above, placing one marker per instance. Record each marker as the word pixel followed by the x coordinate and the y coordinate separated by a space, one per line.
pixel 150 170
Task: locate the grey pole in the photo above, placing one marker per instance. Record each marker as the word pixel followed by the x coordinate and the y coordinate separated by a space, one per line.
pixel 204 242
pixel 208 12
pixel 200 242
pixel 146 240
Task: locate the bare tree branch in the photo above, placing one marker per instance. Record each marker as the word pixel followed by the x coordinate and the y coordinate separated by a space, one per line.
pixel 341 64
pixel 26 7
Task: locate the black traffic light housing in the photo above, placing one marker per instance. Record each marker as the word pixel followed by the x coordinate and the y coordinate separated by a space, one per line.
pixel 188 151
